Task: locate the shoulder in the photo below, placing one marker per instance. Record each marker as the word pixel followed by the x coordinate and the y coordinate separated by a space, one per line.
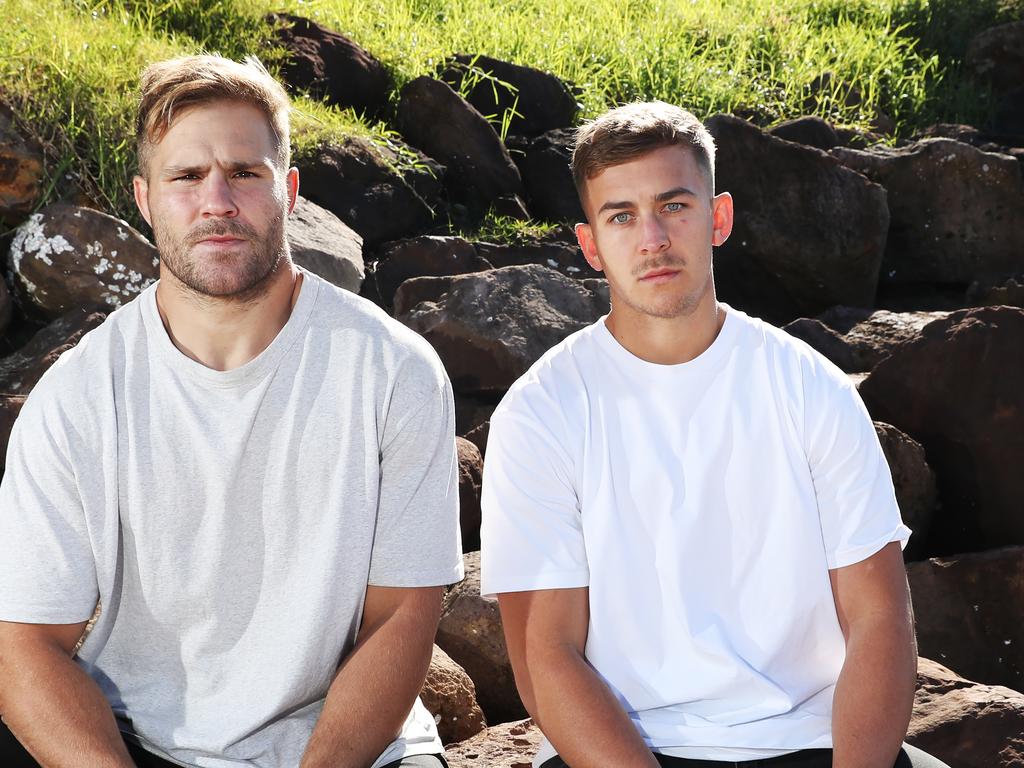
pixel 363 330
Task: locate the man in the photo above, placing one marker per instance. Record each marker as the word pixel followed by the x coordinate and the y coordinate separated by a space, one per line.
pixel 688 520
pixel 252 471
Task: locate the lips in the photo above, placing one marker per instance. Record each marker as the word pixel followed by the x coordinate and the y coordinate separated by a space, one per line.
pixel 655 274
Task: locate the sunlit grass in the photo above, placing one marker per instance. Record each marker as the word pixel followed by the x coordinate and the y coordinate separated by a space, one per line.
pixel 70 67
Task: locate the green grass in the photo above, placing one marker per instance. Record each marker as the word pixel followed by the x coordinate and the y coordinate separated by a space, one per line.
pixel 70 67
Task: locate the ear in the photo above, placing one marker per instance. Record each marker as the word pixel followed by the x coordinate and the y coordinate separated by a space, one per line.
pixel 141 189
pixel 292 182
pixel 585 237
pixel 721 216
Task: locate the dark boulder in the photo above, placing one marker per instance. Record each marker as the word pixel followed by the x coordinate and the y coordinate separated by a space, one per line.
pixel 964 609
pixel 809 233
pixel 955 210
pixel 810 130
pixel 6 308
pixel 992 291
pixel 321 243
pixel 563 257
pixel 20 371
pixel 435 119
pixel 544 164
pixel 1009 120
pixel 537 101
pixel 330 66
pixel 471 472
pixel 490 327
pixel 383 193
pixel 966 724
pixel 10 407
pixel 996 55
pixel 958 389
pixel 425 256
pixel 21 171
pixel 914 482
pixel 65 257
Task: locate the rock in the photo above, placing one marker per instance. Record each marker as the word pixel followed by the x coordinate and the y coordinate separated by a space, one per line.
pixel 965 724
pixel 811 131
pixel 958 389
pixel 509 745
pixel 435 119
pixel 471 474
pixel 21 171
pixel 968 134
pixel 10 407
pixel 544 165
pixel 6 308
pixel 65 257
pixel 478 436
pixel 963 616
pixel 955 209
pixel 382 193
pixel 321 243
pixel 914 482
pixel 425 256
pixel 857 339
pixel 1009 119
pixel 996 55
pixel 470 632
pixel 20 371
pixel 489 327
pixel 330 66
pixel 809 233
pixel 987 292
pixel 449 695
pixel 566 258
pixel 471 411
pixel 540 101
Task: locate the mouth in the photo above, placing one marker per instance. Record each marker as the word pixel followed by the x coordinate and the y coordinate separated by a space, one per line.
pixel 660 275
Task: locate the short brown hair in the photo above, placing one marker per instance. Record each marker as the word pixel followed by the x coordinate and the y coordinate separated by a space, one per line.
pixel 169 87
pixel 631 131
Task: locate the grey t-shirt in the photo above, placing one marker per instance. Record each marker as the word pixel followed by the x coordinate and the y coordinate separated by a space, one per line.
pixel 230 521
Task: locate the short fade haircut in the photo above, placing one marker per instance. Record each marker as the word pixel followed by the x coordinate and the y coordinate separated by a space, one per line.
pixel 170 87
pixel 633 130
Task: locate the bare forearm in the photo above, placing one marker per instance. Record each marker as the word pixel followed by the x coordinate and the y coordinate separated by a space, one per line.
pixel 58 712
pixel 371 696
pixel 873 699
pixel 580 715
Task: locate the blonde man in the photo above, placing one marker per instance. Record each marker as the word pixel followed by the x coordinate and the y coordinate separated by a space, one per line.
pixel 251 471
pixel 688 520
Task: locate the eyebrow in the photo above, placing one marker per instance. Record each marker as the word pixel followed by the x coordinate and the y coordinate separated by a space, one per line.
pixel 619 205
pixel 182 170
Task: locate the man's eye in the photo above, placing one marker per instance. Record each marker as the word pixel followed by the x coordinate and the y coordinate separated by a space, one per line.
pixel 620 218
pixel 186 177
pixel 245 175
pixel 674 207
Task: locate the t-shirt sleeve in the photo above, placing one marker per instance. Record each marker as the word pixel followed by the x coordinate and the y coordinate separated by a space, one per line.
pixel 47 566
pixel 417 541
pixel 856 499
pixel 532 532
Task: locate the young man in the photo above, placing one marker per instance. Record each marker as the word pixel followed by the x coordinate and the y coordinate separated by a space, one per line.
pixel 688 520
pixel 251 471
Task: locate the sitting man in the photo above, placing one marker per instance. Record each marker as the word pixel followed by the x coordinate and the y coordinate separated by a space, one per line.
pixel 688 519
pixel 251 471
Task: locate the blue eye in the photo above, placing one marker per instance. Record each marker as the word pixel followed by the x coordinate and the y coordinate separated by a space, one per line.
pixel 674 207
pixel 620 218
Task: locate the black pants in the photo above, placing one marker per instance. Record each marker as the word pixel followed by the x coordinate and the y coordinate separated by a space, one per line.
pixel 909 757
pixel 13 755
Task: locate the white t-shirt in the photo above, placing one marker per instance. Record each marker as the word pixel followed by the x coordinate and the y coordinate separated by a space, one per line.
pixel 230 521
pixel 703 504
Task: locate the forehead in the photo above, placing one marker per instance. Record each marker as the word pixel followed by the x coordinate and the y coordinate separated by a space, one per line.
pixel 217 130
pixel 647 176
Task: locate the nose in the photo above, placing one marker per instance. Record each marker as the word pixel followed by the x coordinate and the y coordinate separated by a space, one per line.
pixel 653 235
pixel 218 199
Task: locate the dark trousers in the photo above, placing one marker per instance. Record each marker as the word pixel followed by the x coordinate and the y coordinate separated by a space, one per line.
pixel 13 755
pixel 909 757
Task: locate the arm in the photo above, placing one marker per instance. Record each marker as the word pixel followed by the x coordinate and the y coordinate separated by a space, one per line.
pixel 378 682
pixel 55 709
pixel 875 692
pixel 546 633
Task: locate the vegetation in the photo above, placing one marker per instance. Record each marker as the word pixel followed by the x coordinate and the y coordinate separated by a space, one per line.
pixel 69 67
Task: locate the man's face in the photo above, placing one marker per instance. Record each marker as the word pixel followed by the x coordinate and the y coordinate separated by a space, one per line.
pixel 217 200
pixel 652 224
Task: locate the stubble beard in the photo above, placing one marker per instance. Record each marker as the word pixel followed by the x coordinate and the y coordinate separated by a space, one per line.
pixel 671 307
pixel 239 277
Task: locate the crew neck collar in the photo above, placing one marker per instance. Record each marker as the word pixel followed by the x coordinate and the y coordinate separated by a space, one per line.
pixel 253 370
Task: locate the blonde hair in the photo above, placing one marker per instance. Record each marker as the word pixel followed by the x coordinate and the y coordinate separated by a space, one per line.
pixel 170 87
pixel 631 131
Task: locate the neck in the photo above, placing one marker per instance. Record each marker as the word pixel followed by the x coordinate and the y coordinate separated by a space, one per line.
pixel 668 340
pixel 225 332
